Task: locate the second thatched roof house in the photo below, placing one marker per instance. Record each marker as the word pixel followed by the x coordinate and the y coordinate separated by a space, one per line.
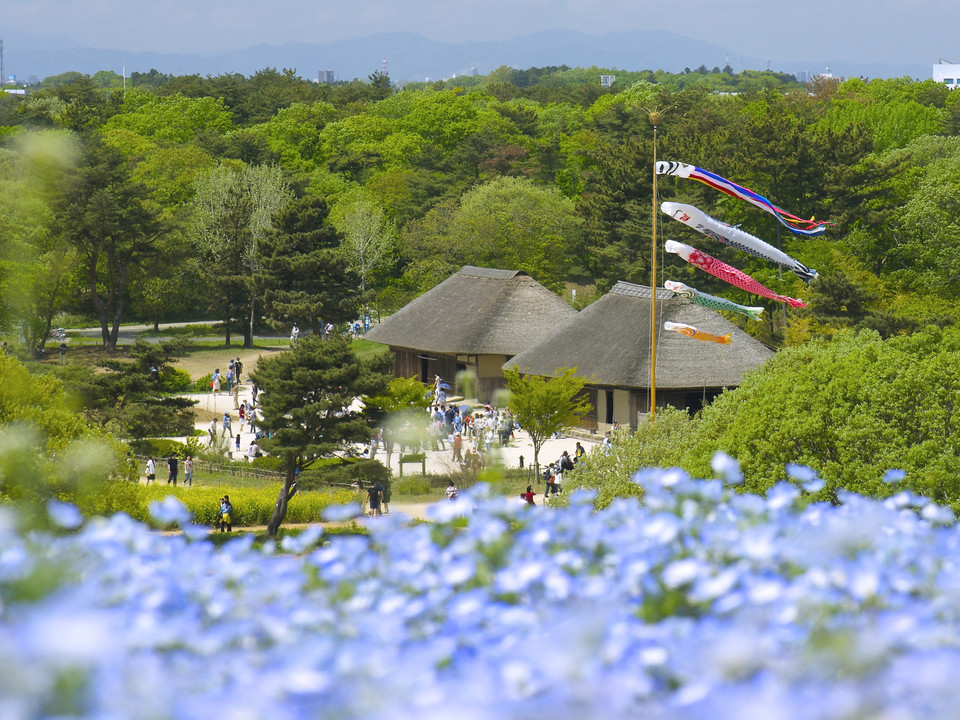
pixel 609 344
pixel 475 320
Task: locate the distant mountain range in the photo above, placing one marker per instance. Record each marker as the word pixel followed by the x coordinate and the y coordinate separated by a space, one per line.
pixel 410 57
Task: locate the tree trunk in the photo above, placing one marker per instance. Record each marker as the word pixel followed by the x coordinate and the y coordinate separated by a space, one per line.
pixel 287 492
pixel 118 312
pixel 226 327
pixel 248 336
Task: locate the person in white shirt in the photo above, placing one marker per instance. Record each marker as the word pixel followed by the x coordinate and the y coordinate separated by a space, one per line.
pixel 151 469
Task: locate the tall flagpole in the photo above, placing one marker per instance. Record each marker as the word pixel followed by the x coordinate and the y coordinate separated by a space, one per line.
pixel 654 116
pixel 653 287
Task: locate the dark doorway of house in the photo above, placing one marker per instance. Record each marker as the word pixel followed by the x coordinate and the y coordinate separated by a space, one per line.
pixel 693 402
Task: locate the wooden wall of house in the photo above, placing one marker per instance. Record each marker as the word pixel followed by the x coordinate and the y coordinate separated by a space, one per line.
pixel 423 366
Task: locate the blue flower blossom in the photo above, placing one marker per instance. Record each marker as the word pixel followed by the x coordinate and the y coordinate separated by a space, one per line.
pixel 65 515
pixel 169 510
pixel 726 468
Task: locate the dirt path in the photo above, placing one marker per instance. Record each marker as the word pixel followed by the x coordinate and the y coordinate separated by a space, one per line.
pixel 202 362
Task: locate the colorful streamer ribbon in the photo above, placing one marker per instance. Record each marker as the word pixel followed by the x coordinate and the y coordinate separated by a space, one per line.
pixel 711 301
pixel 727 273
pixel 691 331
pixel 793 223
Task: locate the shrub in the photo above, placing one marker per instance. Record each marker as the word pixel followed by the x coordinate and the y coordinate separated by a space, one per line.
pixel 418 485
pixel 176 380
pixel 345 473
pixel 251 506
pixel 268 462
pixel 205 383
pixel 112 497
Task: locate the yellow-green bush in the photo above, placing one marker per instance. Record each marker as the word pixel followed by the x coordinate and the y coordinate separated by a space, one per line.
pixel 251 506
pixel 418 485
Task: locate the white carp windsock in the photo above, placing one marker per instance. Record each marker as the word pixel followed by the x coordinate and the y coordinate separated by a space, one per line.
pixel 711 301
pixel 691 331
pixel 735 238
pixel 727 273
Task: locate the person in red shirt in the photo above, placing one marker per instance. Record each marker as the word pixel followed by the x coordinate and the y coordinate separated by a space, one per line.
pixel 528 495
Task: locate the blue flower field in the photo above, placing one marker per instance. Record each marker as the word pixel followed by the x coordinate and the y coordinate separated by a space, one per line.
pixel 701 603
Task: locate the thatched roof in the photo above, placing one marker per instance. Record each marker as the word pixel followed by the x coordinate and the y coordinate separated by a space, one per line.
pixel 609 344
pixel 476 311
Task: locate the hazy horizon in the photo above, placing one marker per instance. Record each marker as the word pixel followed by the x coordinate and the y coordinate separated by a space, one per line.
pixel 891 32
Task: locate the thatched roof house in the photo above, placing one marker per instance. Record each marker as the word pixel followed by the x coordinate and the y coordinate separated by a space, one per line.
pixel 609 344
pixel 475 320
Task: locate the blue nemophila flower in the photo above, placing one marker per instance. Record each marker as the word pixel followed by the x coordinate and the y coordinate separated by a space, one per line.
pixel 800 472
pixel 170 510
pixel 65 515
pixel 894 476
pixel 339 513
pixel 726 468
pixel 307 539
pixel 698 602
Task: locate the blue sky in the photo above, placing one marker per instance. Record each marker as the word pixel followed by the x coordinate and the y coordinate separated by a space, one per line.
pixel 890 31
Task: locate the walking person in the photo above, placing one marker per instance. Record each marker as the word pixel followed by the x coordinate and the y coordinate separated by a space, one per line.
pixel 458 448
pixel 172 469
pixel 227 427
pixel 213 430
pixel 374 496
pixel 151 469
pixel 188 471
pixel 242 412
pixel 226 514
pixel 237 369
pixel 215 382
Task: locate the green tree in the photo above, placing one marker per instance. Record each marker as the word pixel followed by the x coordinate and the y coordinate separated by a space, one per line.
pixel 368 241
pixel 234 209
pixel 309 405
pixel 303 276
pixel 111 220
pixel 654 444
pixel 37 266
pixel 507 223
pixel 48 450
pixel 131 397
pixel 851 409
pixel 544 406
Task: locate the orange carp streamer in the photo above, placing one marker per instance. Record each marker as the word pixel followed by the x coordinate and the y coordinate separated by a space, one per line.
pixel 691 331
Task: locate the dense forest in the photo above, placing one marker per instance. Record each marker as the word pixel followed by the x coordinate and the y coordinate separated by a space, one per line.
pixel 267 200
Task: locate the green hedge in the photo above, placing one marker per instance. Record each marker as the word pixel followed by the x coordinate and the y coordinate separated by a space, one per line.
pixel 344 472
pixel 176 380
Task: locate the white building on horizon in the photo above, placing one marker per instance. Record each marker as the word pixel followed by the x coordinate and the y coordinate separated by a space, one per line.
pixel 948 74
